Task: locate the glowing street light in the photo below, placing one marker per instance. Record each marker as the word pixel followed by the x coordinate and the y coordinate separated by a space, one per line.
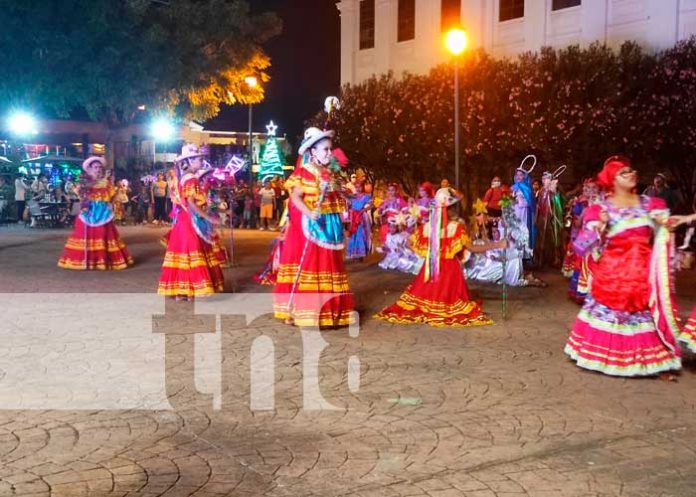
pixel 456 42
pixel 22 124
pixel 251 81
pixel 162 130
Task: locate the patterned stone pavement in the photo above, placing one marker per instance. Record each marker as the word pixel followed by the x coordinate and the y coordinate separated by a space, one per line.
pixel 99 399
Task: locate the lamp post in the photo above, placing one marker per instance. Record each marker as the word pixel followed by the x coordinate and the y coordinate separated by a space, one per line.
pixel 456 41
pixel 251 82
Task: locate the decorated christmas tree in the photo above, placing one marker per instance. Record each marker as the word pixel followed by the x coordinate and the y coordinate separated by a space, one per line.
pixel 272 160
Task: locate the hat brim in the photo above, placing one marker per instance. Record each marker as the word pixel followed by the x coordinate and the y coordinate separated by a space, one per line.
pixel 191 156
pixel 90 160
pixel 307 144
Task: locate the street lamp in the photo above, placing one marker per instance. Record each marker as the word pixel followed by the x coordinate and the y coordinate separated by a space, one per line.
pixel 456 41
pixel 251 82
pixel 161 130
pixel 21 124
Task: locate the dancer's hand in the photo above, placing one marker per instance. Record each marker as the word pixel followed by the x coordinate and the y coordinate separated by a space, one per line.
pixel 313 215
pixel 675 221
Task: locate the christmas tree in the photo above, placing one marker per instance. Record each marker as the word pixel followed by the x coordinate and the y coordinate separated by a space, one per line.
pixel 272 160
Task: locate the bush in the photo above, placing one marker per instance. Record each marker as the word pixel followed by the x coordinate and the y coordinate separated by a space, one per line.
pixel 570 106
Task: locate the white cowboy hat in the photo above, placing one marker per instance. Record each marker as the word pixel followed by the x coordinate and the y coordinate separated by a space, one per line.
pixel 443 198
pixel 87 164
pixel 189 151
pixel 312 136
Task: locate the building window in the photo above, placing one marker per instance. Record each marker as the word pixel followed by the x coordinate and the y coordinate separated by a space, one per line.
pixel 367 24
pixel 406 29
pixel 564 4
pixel 451 14
pixel 511 9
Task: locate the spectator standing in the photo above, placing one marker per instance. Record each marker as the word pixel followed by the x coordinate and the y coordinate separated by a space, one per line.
pixel 268 196
pixel 21 189
pixel 660 189
pixel 158 197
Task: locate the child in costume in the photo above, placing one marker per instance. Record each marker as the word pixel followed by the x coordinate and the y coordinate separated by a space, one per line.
pixel 269 274
pixel 439 295
pixel 575 266
pixel 95 242
pixel 397 252
pixel 360 223
pixel 525 204
pixel 549 220
pixel 628 324
pixel 191 267
pixel 392 205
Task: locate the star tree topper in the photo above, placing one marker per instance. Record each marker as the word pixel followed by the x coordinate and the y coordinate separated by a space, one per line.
pixel 271 128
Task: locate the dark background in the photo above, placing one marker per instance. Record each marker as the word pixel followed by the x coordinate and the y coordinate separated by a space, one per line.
pixel 305 68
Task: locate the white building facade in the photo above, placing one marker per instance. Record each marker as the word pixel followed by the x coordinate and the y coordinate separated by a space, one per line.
pixel 378 36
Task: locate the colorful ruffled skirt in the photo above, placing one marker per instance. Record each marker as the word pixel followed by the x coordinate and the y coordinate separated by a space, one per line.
pixel 444 302
pixel 95 243
pixel 620 343
pixel 191 267
pixel 312 283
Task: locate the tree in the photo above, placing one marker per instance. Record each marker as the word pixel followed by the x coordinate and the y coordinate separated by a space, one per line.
pixel 272 160
pixel 105 58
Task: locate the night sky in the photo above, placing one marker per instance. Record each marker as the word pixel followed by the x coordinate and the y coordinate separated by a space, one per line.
pixel 305 69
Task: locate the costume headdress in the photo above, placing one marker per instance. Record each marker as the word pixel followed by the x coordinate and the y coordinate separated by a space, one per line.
pixel 611 167
pixel 525 187
pixel 521 166
pixel 429 188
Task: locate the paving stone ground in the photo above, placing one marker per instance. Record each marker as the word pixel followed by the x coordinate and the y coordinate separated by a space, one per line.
pixel 96 402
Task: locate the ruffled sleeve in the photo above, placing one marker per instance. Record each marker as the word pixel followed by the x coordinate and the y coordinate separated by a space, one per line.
pixel 657 207
pixel 588 238
pixel 457 240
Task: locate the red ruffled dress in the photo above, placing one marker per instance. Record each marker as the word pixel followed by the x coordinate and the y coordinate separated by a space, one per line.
pixel 442 300
pixel 312 283
pixel 191 267
pixel 95 242
pixel 628 324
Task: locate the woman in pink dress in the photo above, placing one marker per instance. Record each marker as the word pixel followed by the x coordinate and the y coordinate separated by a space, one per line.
pixel 628 324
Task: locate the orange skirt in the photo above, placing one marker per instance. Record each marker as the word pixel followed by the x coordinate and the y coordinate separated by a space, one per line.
pixel 95 247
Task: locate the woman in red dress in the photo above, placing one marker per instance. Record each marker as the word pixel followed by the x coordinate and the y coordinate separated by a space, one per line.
pixel 95 242
pixel 191 266
pixel 312 284
pixel 439 295
pixel 628 324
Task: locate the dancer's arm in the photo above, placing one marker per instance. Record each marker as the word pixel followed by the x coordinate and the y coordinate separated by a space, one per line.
pixel 200 212
pixel 675 221
pixel 501 244
pixel 296 198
